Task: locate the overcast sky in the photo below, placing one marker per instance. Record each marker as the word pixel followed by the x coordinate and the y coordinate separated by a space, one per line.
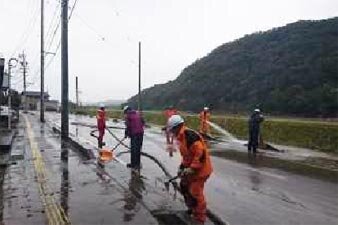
pixel 104 36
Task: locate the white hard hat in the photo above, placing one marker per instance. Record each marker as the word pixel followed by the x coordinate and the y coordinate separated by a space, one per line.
pixel 206 108
pixel 257 110
pixel 173 121
pixel 125 108
pixel 101 105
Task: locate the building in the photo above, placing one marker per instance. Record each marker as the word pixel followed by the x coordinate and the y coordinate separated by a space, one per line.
pixel 4 84
pixel 33 99
pixel 50 105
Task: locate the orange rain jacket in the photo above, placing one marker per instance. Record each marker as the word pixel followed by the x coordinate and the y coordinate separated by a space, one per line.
pixel 101 119
pixel 204 117
pixel 194 153
pixel 169 112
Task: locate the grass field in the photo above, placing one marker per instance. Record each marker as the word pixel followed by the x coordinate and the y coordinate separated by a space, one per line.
pixel 307 133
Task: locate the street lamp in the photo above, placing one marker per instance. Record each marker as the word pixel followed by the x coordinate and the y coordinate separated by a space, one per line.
pixel 9 89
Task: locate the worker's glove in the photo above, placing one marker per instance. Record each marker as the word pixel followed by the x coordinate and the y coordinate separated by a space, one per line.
pixel 180 170
pixel 188 171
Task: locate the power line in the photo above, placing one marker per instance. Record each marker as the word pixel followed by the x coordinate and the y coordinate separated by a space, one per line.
pixel 54 19
pixel 102 38
pixel 26 34
pixel 72 10
pixel 53 56
pixel 54 34
pixel 59 43
pixel 55 15
pixel 49 32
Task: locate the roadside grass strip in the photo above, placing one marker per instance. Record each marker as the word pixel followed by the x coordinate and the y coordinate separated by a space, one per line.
pixel 54 212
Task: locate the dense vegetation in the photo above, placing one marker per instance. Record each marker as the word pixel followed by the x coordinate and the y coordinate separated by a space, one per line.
pixel 291 70
pixel 319 135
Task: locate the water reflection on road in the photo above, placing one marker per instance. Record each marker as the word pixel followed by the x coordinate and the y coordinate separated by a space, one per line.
pixel 132 196
pixel 243 193
pixel 64 188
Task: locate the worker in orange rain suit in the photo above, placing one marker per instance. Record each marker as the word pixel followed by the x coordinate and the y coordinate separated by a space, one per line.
pixel 195 167
pixel 204 119
pixel 168 112
pixel 101 124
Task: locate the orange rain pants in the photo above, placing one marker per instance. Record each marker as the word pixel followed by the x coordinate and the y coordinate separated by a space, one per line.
pixel 101 125
pixel 195 155
pixel 204 125
pixel 193 193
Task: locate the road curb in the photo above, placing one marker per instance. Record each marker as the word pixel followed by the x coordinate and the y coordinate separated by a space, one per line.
pixel 76 143
pixel 6 142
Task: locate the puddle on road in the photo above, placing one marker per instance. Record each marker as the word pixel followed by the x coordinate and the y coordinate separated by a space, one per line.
pixel 260 160
pixel 166 218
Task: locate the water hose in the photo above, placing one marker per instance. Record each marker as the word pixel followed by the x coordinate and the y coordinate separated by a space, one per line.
pixel 117 139
pixel 213 217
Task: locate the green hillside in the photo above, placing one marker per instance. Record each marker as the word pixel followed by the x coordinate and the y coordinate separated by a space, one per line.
pixel 291 70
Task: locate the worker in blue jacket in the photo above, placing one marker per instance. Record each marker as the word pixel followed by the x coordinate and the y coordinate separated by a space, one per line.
pixel 254 126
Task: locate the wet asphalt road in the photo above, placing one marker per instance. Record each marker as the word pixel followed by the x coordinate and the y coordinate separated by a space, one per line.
pixel 240 193
pixel 73 187
pixel 245 193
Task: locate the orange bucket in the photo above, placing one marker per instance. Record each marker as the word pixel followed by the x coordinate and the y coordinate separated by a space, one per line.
pixel 106 155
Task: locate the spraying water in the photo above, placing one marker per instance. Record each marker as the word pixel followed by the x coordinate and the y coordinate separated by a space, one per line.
pixel 227 135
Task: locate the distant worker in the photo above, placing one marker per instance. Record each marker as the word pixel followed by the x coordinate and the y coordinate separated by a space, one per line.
pixel 204 119
pixel 101 124
pixel 254 126
pixel 168 112
pixel 195 167
pixel 134 130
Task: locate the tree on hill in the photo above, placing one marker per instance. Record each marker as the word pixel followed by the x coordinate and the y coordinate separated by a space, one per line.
pixel 291 70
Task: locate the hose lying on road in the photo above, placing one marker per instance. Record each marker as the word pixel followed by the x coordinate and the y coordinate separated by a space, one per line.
pixel 163 168
pixel 117 139
pixel 94 126
pixel 212 216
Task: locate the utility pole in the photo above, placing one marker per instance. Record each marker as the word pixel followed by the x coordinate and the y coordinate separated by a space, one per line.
pixel 139 78
pixel 24 67
pixel 42 82
pixel 77 91
pixel 9 92
pixel 64 70
pixel 2 67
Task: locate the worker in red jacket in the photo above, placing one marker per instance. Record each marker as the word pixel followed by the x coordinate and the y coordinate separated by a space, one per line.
pixel 204 119
pixel 168 112
pixel 101 124
pixel 195 167
pixel 135 131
